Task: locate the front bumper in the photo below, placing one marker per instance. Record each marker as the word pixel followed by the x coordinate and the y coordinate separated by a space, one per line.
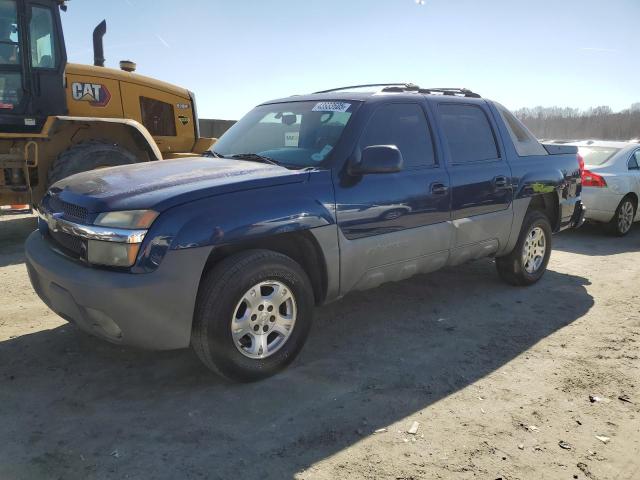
pixel 151 310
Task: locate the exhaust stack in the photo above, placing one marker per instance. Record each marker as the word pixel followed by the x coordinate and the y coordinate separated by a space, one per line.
pixel 98 48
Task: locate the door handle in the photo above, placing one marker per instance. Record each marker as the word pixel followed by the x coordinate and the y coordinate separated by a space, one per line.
pixel 439 188
pixel 500 182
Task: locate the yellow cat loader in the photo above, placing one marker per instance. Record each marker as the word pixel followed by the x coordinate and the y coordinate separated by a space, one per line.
pixel 59 118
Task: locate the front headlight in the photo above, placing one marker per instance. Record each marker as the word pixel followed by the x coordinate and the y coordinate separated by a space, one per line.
pixel 122 250
pixel 131 219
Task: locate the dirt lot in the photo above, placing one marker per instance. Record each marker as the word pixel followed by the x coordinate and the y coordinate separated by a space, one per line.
pixel 496 376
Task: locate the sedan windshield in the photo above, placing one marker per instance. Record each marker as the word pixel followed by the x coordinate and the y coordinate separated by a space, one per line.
pixel 293 134
pixel 597 155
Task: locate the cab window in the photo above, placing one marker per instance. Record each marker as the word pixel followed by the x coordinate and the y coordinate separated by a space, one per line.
pixel 405 126
pixel 469 134
pixel 42 38
pixel 158 117
pixel 10 76
pixel 9 51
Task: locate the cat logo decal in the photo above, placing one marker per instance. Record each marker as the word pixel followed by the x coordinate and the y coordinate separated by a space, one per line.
pixel 96 94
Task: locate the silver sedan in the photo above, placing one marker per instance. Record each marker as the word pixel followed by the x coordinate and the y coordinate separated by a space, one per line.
pixel 611 183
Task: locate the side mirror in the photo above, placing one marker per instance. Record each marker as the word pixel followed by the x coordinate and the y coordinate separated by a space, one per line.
pixel 378 159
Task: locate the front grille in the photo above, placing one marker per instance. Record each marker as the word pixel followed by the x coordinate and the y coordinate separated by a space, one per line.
pixel 69 244
pixel 70 212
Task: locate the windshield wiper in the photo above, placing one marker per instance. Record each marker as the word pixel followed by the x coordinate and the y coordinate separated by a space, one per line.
pixel 254 157
pixel 212 153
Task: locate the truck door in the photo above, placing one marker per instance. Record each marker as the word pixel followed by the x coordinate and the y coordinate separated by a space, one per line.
pixel 480 179
pixel 32 61
pixel 396 224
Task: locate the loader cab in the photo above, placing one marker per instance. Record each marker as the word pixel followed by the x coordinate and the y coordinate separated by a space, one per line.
pixel 32 62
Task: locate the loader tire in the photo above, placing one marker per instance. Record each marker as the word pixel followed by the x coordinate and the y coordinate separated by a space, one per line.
pixel 87 156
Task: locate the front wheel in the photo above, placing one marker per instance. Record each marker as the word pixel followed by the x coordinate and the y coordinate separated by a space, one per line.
pixel 528 261
pixel 253 315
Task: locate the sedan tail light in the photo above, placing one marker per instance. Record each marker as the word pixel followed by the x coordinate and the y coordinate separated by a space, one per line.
pixel 590 179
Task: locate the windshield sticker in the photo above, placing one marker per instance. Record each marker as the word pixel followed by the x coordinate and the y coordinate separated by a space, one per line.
pixel 318 157
pixel 331 107
pixel 291 139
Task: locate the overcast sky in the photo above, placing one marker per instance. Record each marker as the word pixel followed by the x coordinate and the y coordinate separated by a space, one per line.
pixel 235 54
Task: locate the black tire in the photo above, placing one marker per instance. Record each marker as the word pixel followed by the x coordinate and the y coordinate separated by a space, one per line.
pixel 87 156
pixel 511 267
pixel 222 288
pixel 616 226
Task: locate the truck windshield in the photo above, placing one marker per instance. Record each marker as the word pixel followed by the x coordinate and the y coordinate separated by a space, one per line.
pixel 597 155
pixel 10 76
pixel 294 134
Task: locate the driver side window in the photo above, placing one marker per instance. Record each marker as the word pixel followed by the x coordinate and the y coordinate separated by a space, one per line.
pixel 405 126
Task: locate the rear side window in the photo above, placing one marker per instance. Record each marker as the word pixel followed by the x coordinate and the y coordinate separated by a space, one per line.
pixel 468 133
pixel 524 141
pixel 634 161
pixel 405 126
pixel 158 117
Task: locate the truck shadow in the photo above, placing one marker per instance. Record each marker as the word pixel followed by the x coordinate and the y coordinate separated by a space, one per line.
pixel 76 407
pixel 594 240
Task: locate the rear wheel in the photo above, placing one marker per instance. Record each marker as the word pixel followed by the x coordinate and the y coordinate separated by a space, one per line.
pixel 88 156
pixel 528 261
pixel 253 315
pixel 622 220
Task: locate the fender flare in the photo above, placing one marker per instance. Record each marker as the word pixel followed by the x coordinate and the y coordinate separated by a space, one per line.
pixel 137 127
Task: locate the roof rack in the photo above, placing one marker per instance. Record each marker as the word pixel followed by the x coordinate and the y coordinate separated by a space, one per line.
pixel 409 87
pixel 457 92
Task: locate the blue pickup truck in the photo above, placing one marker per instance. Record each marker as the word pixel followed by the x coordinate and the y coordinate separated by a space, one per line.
pixel 302 201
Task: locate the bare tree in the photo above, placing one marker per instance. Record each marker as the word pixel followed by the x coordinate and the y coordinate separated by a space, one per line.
pixel 572 124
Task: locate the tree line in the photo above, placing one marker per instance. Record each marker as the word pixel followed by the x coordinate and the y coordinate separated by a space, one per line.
pixel 600 123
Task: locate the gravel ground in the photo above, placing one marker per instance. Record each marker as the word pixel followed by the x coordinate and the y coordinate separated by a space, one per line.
pixel 497 377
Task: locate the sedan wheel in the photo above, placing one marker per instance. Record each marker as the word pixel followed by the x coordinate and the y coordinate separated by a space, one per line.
pixel 622 221
pixel 625 217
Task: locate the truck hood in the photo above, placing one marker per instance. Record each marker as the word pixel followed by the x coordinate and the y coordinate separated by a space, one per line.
pixel 163 184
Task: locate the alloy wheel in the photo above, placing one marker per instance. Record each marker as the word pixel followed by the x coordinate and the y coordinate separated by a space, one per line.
pixel 534 249
pixel 264 319
pixel 625 216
